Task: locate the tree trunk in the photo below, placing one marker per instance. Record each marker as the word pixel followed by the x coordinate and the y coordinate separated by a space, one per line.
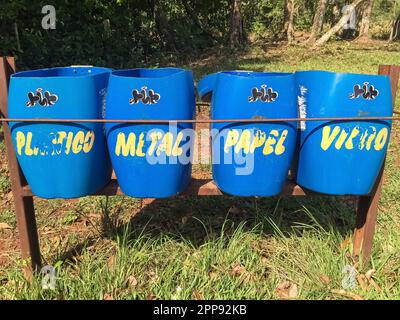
pixel 339 25
pixel 395 34
pixel 162 25
pixel 290 20
pixel 318 20
pixel 236 32
pixel 365 20
pixel 285 18
pixel 335 12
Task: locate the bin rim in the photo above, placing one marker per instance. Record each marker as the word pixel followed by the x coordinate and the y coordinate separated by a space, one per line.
pixel 129 73
pixel 342 73
pixel 246 74
pixel 36 73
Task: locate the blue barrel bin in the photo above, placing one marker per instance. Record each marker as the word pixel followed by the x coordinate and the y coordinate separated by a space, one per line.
pixel 61 160
pixel 342 157
pixel 151 160
pixel 251 159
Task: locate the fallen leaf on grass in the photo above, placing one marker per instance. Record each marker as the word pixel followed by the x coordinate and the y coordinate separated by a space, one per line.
pixel 369 274
pixel 151 297
pixel 347 294
pixel 111 262
pixel 4 226
pixel 108 297
pixel 361 279
pixel 238 269
pixel 372 282
pixel 196 295
pixel 286 290
pixel 132 281
pixel 325 279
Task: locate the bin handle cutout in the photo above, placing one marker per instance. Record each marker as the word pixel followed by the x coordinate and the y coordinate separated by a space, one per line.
pixel 206 86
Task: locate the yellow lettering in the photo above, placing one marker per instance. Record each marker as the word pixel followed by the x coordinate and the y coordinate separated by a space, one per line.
pixel 78 142
pixel 244 142
pixel 342 137
pixel 362 140
pixel 20 139
pixel 124 146
pixel 258 141
pixel 381 139
pixel 57 140
pixel 28 149
pixel 69 142
pixel 231 139
pixel 176 150
pixel 280 148
pixel 89 140
pixel 268 149
pixel 328 137
pixel 166 144
pixel 371 138
pixel 349 143
pixel 155 137
pixel 139 149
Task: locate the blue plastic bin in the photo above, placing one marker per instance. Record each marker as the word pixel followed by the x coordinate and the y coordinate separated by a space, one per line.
pixel 342 157
pixel 60 160
pixel 151 160
pixel 251 159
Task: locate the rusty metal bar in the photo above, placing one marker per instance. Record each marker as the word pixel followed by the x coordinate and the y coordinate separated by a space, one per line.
pixel 367 206
pixel 197 187
pixel 145 121
pixel 24 207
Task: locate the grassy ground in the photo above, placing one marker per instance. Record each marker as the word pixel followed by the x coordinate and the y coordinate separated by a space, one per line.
pixel 214 248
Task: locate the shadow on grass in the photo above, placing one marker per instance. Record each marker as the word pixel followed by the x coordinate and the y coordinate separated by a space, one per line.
pixel 198 220
pixel 223 61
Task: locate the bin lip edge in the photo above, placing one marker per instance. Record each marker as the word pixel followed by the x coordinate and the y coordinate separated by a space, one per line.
pixel 339 73
pixel 30 74
pixel 246 74
pixel 121 73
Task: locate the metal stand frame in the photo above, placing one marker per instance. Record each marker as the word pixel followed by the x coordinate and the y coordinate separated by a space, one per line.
pixel 366 213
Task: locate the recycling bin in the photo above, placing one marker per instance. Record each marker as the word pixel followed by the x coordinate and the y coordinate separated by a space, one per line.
pixel 251 159
pixel 151 159
pixel 342 157
pixel 60 160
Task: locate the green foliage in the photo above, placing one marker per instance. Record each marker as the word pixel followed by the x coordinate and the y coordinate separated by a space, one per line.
pixel 5 184
pixel 126 33
pixel 71 217
pixel 263 18
pixel 385 11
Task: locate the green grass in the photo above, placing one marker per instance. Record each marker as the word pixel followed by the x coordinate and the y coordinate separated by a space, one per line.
pixel 218 247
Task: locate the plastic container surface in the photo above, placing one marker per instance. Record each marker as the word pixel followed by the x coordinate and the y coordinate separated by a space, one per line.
pixel 342 157
pixel 251 159
pixel 151 160
pixel 60 160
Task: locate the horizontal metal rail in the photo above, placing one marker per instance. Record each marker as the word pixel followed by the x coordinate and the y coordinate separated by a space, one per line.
pixel 145 121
